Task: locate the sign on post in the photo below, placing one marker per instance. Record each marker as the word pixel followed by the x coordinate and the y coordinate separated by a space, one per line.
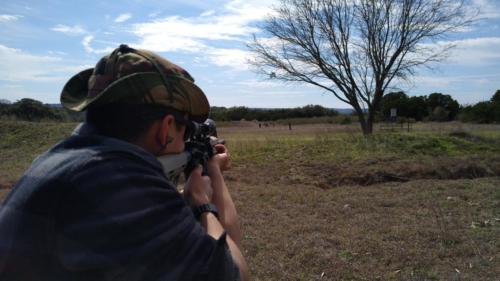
pixel 394 112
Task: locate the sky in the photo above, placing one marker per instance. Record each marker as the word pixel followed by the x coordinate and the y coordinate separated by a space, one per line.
pixel 44 43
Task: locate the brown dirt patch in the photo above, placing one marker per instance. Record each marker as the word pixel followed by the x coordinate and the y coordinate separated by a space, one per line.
pixel 367 172
pixel 393 170
pixel 5 187
pixel 6 184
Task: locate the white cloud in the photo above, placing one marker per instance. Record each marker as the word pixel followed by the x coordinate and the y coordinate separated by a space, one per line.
pixel 233 58
pixel 123 17
pixel 266 84
pixel 18 65
pixel 233 22
pixel 36 76
pixel 86 42
pixel 69 30
pixel 470 51
pixel 7 18
pixel 57 53
pixel 207 13
pixel 154 14
pixel 191 29
pixel 479 42
pixel 476 51
pixel 250 10
pixel 12 86
pixel 433 81
pixel 443 82
pixel 488 9
pixel 161 41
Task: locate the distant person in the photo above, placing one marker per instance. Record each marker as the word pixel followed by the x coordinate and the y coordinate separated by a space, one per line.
pixel 97 206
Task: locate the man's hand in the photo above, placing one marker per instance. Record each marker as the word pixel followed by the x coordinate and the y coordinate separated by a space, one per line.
pixel 221 161
pixel 198 189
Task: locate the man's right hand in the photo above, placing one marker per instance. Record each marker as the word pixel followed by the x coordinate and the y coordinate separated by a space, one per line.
pixel 198 189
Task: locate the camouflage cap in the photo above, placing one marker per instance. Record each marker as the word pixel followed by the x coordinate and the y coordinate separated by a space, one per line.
pixel 136 76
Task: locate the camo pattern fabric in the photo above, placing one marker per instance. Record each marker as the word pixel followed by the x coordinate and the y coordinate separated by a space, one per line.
pixel 136 76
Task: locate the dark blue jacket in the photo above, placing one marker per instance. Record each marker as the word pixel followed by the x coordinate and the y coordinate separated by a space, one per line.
pixel 97 208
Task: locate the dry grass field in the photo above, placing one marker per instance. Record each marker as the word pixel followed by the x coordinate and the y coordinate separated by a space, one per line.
pixel 322 202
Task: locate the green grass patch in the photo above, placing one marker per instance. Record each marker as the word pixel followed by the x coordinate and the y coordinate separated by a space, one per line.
pixel 345 255
pixel 330 146
pixel 21 142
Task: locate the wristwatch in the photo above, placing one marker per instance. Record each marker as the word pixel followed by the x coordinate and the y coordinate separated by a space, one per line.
pixel 197 211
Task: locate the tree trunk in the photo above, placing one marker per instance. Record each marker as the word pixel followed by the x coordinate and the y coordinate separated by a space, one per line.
pixel 367 127
pixel 366 124
pixel 371 117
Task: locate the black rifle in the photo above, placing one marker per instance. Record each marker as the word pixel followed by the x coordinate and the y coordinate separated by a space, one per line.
pixel 200 147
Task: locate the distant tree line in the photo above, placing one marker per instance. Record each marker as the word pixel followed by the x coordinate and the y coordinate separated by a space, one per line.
pixel 242 112
pixel 482 112
pixel 434 107
pixel 440 107
pixel 32 110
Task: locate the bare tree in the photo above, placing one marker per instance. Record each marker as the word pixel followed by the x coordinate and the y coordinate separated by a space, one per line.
pixel 355 49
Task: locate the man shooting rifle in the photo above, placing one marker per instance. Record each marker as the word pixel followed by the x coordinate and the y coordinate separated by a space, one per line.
pixel 98 205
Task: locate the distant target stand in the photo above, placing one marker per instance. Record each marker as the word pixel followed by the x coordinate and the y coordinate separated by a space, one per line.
pixel 393 124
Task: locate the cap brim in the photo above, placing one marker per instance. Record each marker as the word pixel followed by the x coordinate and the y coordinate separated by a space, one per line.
pixel 74 95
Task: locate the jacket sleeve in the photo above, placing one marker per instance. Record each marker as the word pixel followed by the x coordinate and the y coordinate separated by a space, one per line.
pixel 221 263
pixel 121 220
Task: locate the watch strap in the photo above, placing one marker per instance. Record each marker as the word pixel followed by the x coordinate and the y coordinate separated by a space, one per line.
pixel 198 210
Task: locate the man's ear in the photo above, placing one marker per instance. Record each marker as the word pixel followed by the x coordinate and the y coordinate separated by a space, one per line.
pixel 164 129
